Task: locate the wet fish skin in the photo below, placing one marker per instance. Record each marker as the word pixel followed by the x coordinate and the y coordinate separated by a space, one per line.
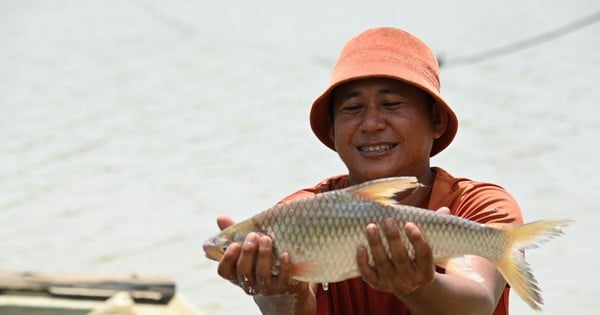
pixel 322 232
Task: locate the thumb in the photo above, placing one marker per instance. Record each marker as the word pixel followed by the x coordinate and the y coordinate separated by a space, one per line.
pixel 444 210
pixel 224 221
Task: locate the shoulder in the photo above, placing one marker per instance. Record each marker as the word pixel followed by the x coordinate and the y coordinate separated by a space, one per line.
pixel 464 188
pixel 478 201
pixel 327 184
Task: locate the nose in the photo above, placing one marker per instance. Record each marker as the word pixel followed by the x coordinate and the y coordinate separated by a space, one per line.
pixel 373 119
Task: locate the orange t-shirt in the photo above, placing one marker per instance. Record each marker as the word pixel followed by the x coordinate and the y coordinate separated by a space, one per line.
pixel 476 201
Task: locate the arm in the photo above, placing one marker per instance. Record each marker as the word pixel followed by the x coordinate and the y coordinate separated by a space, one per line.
pixel 416 283
pixel 455 294
pixel 249 266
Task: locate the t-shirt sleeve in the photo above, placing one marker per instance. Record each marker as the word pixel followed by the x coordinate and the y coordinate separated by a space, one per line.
pixel 477 201
pixel 487 203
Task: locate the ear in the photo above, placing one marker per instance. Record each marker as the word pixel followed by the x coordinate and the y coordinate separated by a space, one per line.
pixel 440 121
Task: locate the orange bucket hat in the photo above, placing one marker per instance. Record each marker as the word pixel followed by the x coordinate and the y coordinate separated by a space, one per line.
pixel 390 53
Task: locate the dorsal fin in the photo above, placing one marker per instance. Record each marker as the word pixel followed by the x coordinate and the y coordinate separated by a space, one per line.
pixel 383 190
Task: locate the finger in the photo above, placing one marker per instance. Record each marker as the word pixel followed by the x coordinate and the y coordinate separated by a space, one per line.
pixel 224 221
pixel 382 265
pixel 399 255
pixel 246 263
pixel 377 249
pixel 285 272
pixel 423 253
pixel 444 210
pixel 264 264
pixel 286 282
pixel 228 265
pixel 366 271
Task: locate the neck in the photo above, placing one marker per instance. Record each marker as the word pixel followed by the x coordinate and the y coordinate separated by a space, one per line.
pixel 426 178
pixel 419 197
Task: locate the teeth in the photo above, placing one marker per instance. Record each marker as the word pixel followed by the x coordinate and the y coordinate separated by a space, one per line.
pixel 379 147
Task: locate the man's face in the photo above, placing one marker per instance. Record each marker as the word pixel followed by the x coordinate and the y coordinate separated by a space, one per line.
pixel 381 128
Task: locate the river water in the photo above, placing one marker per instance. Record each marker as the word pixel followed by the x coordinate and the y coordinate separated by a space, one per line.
pixel 126 127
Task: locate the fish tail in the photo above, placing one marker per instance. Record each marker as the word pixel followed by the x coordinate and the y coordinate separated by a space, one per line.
pixel 512 264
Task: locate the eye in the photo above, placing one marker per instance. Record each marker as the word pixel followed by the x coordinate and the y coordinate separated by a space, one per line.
pixel 224 247
pixel 351 108
pixel 392 105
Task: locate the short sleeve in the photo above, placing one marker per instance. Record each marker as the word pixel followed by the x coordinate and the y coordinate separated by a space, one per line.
pixel 476 201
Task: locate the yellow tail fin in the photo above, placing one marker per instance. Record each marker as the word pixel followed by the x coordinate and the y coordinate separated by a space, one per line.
pixel 513 266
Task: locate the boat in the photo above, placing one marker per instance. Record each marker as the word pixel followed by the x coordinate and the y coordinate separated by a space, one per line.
pixel 42 293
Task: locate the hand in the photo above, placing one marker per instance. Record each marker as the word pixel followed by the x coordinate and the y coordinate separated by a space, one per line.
pixel 398 274
pixel 249 266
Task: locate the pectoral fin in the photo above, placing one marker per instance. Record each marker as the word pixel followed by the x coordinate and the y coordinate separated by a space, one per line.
pixel 459 266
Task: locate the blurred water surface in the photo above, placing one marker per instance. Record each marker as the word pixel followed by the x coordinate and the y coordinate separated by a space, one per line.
pixel 126 127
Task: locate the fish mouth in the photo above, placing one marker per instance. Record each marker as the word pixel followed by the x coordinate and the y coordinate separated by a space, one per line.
pixel 212 252
pixel 376 148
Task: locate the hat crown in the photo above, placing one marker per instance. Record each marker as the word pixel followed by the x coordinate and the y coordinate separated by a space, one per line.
pixel 390 52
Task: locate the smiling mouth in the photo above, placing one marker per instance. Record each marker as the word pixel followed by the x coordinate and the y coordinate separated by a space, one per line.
pixel 376 147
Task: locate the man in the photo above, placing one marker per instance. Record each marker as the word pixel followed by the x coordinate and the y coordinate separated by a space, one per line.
pixel 384 116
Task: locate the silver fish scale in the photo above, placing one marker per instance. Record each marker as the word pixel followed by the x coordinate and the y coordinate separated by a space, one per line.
pixel 326 230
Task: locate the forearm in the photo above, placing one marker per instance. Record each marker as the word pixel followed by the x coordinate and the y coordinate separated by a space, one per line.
pixel 293 304
pixel 450 294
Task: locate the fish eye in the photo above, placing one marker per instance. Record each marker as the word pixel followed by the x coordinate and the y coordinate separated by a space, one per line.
pixel 224 247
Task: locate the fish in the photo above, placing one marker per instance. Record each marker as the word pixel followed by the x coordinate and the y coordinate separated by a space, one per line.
pixel 321 233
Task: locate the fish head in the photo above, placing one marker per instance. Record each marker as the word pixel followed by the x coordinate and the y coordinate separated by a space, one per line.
pixel 215 247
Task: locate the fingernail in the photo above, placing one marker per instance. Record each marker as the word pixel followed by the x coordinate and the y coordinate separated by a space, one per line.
pixel 251 238
pixel 285 258
pixel 371 228
pixel 390 224
pixel 264 242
